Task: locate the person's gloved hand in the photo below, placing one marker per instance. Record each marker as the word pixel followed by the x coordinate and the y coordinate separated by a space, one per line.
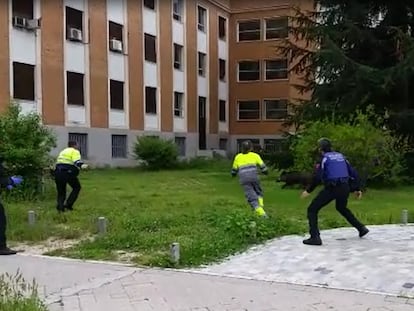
pixel 17 180
pixel 84 166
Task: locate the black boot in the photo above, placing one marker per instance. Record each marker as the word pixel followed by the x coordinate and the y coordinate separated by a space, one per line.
pixel 68 207
pixel 316 240
pixel 5 251
pixel 363 231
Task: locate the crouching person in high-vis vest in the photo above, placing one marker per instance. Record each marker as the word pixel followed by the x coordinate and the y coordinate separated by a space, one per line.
pixel 68 165
pixel 245 165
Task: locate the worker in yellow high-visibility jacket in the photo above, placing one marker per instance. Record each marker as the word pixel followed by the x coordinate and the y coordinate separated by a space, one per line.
pixel 68 165
pixel 245 165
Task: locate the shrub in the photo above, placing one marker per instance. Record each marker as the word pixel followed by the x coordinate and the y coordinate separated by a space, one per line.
pixel 18 295
pixel 25 145
pixel 372 150
pixel 156 153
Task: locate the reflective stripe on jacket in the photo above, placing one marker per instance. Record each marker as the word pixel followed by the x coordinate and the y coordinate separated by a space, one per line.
pixel 70 156
pixel 246 166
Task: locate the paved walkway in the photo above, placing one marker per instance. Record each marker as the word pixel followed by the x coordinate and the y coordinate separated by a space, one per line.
pixel 383 262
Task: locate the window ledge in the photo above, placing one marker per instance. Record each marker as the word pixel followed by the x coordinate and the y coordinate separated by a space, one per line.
pixel 278 80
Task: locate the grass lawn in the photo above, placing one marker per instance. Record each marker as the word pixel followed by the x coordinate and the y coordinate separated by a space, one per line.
pixel 16 294
pixel 204 210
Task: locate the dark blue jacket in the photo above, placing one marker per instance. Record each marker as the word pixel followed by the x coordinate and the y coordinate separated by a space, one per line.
pixel 332 168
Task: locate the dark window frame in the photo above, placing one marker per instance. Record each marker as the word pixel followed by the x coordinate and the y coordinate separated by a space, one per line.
pixel 75 88
pixel 151 107
pixel 150 48
pixel 21 8
pixel 222 110
pixel 178 56
pixel 178 104
pixel 249 33
pixel 117 94
pixel 24 81
pixel 248 110
pixel 283 30
pixel 180 142
pixel 202 18
pixel 283 111
pixel 222 69
pixel 255 73
pixel 276 73
pixel 201 64
pixel 119 146
pixel 222 27
pixel 178 16
pixel 150 4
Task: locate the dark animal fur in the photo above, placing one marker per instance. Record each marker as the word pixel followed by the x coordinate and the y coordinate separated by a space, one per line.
pixel 295 178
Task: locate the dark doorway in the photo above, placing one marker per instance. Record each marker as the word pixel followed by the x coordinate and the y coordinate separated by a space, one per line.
pixel 202 123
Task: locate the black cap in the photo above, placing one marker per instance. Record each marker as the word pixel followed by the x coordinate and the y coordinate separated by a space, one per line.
pixel 325 144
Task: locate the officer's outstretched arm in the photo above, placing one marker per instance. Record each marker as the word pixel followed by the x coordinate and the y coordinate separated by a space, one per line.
pixel 355 176
pixel 316 178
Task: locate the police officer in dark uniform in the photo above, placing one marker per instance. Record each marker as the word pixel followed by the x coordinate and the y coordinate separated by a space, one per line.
pixel 335 172
pixel 9 183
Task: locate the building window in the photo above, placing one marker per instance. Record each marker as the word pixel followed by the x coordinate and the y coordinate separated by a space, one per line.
pixel 117 94
pixel 150 48
pixel 222 28
pixel 180 142
pixel 178 56
pixel 150 4
pixel 150 100
pixel 276 28
pixel 178 104
pixel 223 144
pixel 23 81
pixel 119 146
pixel 201 64
pixel 74 24
pixel 249 70
pixel 249 30
pixel 255 142
pixel 22 8
pixel 276 69
pixel 248 110
pixel 74 89
pixel 82 141
pixel 202 18
pixel 276 109
pixel 116 37
pixel 178 8
pixel 222 110
pixel 222 69
pixel 273 145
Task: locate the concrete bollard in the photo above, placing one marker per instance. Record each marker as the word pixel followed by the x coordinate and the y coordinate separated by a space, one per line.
pixel 404 217
pixel 175 252
pixel 102 225
pixel 31 217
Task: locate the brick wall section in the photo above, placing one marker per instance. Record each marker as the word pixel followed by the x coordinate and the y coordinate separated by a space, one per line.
pixel 98 51
pixel 53 88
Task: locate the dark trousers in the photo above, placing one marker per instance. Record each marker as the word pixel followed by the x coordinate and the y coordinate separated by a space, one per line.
pixel 3 225
pixel 339 193
pixel 62 179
